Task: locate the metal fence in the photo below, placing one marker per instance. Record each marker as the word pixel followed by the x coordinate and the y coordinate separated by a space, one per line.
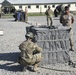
pixel 55 44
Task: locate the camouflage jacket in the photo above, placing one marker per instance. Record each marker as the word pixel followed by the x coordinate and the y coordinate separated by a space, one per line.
pixel 28 49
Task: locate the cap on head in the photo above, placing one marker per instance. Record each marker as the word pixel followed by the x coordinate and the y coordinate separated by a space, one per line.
pixel 29 34
pixel 66 7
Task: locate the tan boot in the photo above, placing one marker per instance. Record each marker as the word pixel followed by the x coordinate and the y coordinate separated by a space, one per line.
pixel 35 68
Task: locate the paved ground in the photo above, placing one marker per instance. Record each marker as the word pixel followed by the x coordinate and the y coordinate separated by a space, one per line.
pixel 13 35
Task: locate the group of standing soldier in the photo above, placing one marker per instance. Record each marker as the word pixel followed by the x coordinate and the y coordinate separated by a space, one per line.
pixel 31 52
pixel 21 15
pixel 66 19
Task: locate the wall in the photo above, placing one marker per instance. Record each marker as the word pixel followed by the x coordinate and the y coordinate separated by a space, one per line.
pixel 73 7
pixel 41 8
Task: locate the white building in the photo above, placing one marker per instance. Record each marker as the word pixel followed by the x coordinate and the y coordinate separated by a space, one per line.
pixel 40 5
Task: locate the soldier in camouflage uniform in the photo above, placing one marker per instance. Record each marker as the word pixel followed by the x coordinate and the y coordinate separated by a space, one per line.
pixel 26 14
pixel 48 13
pixel 67 19
pixel 30 52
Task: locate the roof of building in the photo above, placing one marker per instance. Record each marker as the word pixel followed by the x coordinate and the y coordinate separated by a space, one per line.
pixel 6 3
pixel 38 1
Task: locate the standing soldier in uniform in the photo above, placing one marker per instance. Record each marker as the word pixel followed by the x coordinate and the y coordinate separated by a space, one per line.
pixel 48 13
pixel 67 19
pixel 26 14
pixel 30 53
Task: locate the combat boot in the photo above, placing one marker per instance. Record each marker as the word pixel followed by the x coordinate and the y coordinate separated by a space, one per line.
pixel 25 68
pixel 35 68
pixel 72 48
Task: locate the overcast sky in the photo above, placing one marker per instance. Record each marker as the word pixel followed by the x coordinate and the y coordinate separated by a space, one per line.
pixel 38 1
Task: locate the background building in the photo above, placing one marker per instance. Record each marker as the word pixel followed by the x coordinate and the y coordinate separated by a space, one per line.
pixel 37 6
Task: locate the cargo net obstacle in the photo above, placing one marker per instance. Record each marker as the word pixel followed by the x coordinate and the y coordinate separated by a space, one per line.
pixel 54 42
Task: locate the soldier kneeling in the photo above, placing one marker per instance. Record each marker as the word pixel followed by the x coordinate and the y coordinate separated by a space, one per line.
pixel 30 52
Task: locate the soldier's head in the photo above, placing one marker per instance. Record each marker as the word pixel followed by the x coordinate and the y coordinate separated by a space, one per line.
pixel 66 9
pixel 29 35
pixel 48 7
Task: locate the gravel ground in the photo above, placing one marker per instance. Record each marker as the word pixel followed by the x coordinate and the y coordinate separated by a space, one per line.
pixel 13 35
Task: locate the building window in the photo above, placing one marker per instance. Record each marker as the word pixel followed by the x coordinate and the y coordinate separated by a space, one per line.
pixel 37 6
pixel 20 6
pixel 45 6
pixel 29 6
pixel 53 6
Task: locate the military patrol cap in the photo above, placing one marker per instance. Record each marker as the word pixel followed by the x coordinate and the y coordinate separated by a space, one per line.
pixel 29 34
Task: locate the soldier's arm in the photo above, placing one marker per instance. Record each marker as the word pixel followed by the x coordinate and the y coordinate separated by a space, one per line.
pixel 72 19
pixel 22 46
pixel 61 19
pixel 39 49
pixel 46 13
pixel 22 53
pixel 22 49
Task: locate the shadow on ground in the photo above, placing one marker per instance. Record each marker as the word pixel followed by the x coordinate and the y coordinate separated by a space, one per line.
pixel 10 61
pixel 12 20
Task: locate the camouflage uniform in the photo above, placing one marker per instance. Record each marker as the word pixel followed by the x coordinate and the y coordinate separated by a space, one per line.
pixel 49 16
pixel 67 20
pixel 26 14
pixel 30 53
